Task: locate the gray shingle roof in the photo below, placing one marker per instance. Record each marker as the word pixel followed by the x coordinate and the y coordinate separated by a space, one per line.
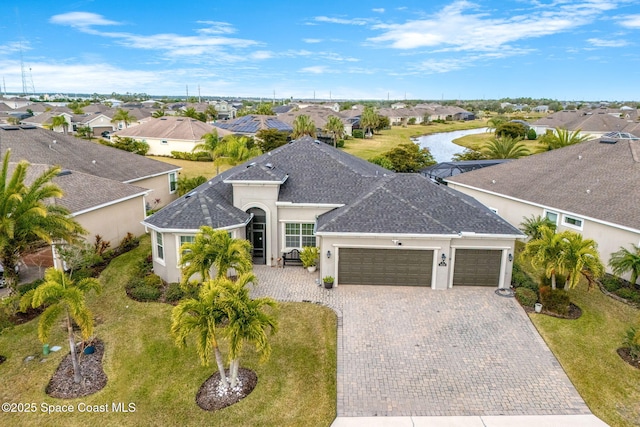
pixel 412 204
pixel 593 179
pixel 36 146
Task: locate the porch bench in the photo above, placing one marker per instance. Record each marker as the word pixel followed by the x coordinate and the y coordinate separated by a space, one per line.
pixel 291 257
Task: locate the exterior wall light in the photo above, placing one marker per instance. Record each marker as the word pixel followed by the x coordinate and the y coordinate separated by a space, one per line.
pixel 328 254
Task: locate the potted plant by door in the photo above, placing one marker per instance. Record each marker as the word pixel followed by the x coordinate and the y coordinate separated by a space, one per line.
pixel 328 282
pixel 309 256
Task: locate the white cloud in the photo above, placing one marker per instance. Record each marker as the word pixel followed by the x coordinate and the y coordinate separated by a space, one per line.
pixel 81 19
pixel 378 10
pixel 607 43
pixel 352 21
pixel 630 21
pixel 312 40
pixel 216 27
pixel 316 69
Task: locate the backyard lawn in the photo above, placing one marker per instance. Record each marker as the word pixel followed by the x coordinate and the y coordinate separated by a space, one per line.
pixel 296 386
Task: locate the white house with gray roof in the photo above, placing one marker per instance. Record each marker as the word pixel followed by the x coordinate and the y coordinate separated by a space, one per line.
pixel 372 226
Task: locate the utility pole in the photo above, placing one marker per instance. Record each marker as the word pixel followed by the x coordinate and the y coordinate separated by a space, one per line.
pixel 187 92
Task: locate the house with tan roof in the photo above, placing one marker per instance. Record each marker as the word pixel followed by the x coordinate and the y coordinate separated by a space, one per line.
pixel 168 133
pixel 593 123
pixel 590 187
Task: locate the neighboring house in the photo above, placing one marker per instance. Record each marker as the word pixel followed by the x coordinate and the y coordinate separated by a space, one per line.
pixel 226 111
pixel 168 133
pixel 319 115
pixel 251 124
pixel 591 123
pixel 107 188
pixel 98 122
pixel 441 171
pixel 590 187
pixel 372 226
pixel 45 120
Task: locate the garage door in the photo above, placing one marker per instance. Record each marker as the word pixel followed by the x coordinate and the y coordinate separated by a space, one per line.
pixel 384 267
pixel 477 267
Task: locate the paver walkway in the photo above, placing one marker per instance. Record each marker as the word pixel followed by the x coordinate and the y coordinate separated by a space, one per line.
pixel 408 351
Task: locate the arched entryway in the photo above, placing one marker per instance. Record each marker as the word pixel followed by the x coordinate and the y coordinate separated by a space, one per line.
pixel 257 235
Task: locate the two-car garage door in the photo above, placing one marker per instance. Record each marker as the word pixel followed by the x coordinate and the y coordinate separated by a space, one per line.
pixel 360 266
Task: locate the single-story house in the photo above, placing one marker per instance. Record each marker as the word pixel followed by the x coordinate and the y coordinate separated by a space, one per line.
pixel 590 187
pixel 372 226
pixel 251 124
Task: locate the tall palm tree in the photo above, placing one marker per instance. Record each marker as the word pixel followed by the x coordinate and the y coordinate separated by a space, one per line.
pixel 123 116
pixel 59 121
pixel 545 253
pixel 235 150
pixel 336 128
pixel 626 261
pixel 211 113
pixel 63 296
pixel 214 248
pixel 505 148
pixel 494 122
pixel 561 138
pixel 531 226
pixel 247 321
pixel 203 316
pixel 303 125
pixel 208 144
pixel 368 120
pixel 27 219
pixel 579 257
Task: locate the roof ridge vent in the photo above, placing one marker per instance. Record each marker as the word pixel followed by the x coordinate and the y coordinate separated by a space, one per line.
pixel 269 166
pixel 608 140
pixel 64 172
pixel 252 164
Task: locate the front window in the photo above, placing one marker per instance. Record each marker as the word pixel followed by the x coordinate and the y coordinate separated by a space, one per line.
pixel 572 222
pixel 173 182
pixel 552 216
pixel 299 235
pixel 159 246
pixel 183 240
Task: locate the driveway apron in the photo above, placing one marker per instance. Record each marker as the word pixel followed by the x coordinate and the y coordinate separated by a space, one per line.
pixel 411 351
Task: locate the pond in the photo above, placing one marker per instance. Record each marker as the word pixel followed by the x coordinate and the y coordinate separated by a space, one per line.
pixel 441 146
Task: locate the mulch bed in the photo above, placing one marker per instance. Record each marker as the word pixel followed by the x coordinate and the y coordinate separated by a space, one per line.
pixel 625 354
pixel 94 379
pixel 23 317
pixel 210 399
pixel 574 312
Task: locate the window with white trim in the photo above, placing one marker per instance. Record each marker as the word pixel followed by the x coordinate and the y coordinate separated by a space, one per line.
pixel 159 246
pixel 571 221
pixel 173 182
pixel 552 216
pixel 164 141
pixel 298 235
pixel 183 240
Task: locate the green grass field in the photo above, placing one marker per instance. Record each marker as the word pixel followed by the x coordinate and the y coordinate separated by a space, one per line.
pixel 296 386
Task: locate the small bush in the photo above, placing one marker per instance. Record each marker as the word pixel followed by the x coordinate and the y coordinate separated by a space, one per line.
pixel 526 296
pixel 173 292
pixel 145 266
pixel 628 294
pixel 153 280
pixel 145 293
pixel 556 301
pixel 520 279
pixel 134 283
pixel 358 133
pixel 611 283
pixel 632 341
pixel 340 143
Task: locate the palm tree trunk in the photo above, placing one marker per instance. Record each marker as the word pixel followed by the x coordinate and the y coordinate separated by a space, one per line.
pixel 77 375
pixel 219 362
pixel 553 281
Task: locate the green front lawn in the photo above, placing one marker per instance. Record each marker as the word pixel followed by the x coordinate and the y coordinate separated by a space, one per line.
pixel 296 386
pixel 586 349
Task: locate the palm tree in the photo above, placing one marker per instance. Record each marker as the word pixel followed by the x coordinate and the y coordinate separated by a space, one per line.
pixel 63 296
pixel 625 261
pixel 59 121
pixel 158 113
pixel 579 257
pixel 208 145
pixel 303 125
pixel 561 138
pixel 202 316
pixel 531 226
pixel 27 219
pixel 123 116
pixel 247 321
pixel 336 128
pixel 545 252
pixel 368 120
pixel 505 148
pixel 211 113
pixel 214 248
pixel 235 150
pixel 494 122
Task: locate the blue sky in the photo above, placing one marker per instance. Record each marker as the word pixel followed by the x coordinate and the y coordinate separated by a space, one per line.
pixel 570 50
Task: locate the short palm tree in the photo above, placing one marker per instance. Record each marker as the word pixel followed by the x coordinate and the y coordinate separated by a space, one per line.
pixel 531 225
pixel 336 128
pixel 201 316
pixel 303 125
pixel 545 253
pixel 235 150
pixel 247 321
pixel 59 121
pixel 626 261
pixel 214 248
pixel 211 113
pixel 63 296
pixel 505 148
pixel 579 257
pixel 158 113
pixel 123 116
pixel 561 138
pixel 28 218
pixel 208 144
pixel 368 120
pixel 494 122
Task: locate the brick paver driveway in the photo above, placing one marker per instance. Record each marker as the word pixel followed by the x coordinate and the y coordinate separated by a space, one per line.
pixel 408 351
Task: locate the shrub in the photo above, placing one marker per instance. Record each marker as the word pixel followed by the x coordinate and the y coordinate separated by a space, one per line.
pixel 199 156
pixel 526 296
pixel 153 280
pixel 611 283
pixel 358 133
pixel 531 134
pixel 632 341
pixel 23 289
pixel 173 292
pixel 628 294
pixel 340 143
pixel 520 279
pixel 145 293
pixel 557 301
pixel 145 266
pixel 128 243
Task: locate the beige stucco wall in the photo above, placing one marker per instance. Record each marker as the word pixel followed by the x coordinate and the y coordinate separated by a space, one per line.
pixel 160 190
pixel 608 236
pixel 113 222
pixel 157 148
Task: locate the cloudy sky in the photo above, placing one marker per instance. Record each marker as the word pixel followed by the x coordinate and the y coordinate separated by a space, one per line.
pixel 573 50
